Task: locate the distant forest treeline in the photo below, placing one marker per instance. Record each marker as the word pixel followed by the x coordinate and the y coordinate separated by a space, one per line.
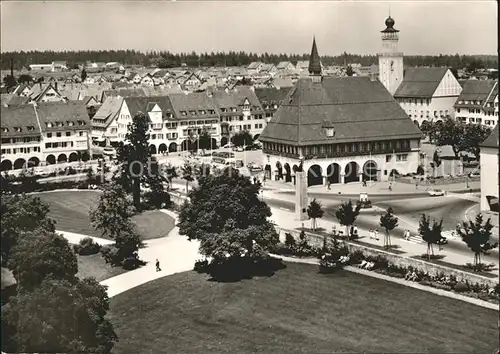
pixel 164 59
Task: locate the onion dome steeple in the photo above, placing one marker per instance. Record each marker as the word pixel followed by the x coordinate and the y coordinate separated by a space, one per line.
pixel 389 24
pixel 314 60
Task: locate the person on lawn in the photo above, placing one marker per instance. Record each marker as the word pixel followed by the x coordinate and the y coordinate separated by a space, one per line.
pixel 158 269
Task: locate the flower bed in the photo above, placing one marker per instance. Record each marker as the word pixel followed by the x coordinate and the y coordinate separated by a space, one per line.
pixel 432 273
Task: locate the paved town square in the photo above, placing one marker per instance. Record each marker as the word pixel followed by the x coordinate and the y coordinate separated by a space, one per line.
pixel 200 177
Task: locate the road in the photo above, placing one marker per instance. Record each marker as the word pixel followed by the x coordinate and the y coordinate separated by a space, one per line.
pixel 408 214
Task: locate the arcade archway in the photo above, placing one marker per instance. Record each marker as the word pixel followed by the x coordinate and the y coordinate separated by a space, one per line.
pixel 19 163
pixel 370 171
pixel 6 165
pixel 73 157
pixel 333 173
pixel 152 149
pixel 162 148
pixel 288 173
pixel 62 158
pixel 172 147
pixel 351 172
pixel 33 162
pixel 51 159
pixel 314 175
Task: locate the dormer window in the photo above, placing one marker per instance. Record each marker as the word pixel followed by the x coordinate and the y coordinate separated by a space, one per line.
pixel 18 129
pixel 223 110
pixel 70 124
pixel 183 113
pixel 211 111
pixel 5 130
pixel 81 122
pixel 275 106
pixel 193 113
pixel 169 115
pixel 59 124
pixel 233 109
pixel 203 112
pixel 330 132
pixel 49 124
pixel 31 128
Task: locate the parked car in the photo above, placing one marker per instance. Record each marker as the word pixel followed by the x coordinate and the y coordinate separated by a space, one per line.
pixel 109 151
pixel 228 146
pixel 474 174
pixel 252 167
pixel 436 193
pixel 238 149
pixel 442 241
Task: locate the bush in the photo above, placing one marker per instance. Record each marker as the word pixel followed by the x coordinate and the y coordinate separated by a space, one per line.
pixel 201 266
pixel 111 255
pixel 131 263
pixel 461 287
pixel 480 267
pixel 333 256
pixel 290 242
pixel 86 247
pixel 356 257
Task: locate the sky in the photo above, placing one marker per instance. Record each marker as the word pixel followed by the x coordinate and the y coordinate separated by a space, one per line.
pixel 427 27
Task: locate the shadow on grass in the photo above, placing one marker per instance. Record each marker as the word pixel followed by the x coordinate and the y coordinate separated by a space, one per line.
pixel 425 257
pixel 239 268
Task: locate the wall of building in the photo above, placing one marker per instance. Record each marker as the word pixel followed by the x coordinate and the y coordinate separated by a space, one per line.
pixel 489 175
pixel 427 109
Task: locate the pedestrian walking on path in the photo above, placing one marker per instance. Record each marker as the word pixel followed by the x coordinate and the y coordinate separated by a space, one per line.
pixel 158 269
pixel 328 185
pixel 376 234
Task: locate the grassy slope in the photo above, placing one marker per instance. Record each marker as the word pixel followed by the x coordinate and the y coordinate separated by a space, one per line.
pixel 296 311
pixel 71 211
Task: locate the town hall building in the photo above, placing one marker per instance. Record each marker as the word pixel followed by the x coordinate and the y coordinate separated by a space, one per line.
pixel 343 130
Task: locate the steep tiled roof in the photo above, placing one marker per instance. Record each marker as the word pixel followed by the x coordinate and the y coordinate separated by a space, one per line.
pixel 254 65
pixel 192 102
pixel 492 140
pixel 282 82
pixel 126 92
pixel 358 108
pixel 420 82
pixel 477 90
pixel 283 65
pixel 14 117
pixel 107 112
pixel 271 95
pixel 235 98
pixel 146 104
pixel 12 99
pixel 63 112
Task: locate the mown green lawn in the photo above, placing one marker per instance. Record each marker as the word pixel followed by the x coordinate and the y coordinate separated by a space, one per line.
pixel 71 209
pixel 296 311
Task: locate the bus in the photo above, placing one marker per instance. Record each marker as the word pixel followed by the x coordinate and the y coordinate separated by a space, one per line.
pixel 221 157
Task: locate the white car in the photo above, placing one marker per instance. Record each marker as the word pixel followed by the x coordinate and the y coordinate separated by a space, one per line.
pixel 228 146
pixel 238 149
pixel 109 151
pixel 436 193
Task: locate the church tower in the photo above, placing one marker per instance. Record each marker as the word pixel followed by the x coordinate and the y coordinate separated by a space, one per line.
pixel 390 61
pixel 315 63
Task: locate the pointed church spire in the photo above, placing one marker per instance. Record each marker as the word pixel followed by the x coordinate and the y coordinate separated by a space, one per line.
pixel 314 60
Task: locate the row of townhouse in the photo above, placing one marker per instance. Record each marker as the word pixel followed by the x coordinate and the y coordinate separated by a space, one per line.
pixel 177 120
pixel 46 132
pixel 478 103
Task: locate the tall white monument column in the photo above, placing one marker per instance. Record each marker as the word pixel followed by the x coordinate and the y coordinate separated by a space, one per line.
pixel 301 196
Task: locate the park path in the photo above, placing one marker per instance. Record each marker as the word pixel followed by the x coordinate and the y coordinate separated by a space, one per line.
pixel 175 253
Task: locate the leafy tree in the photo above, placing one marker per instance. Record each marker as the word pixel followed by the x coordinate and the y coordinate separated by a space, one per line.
pixel 242 138
pixel 347 214
pixel 21 214
pixel 134 156
pixel 157 196
pixel 451 132
pixel 474 135
pixel 205 140
pixel 476 236
pixel 84 74
pixel 112 218
pixel 25 79
pixel 40 255
pixel 10 82
pixel 202 170
pixel 389 222
pixel 315 211
pixel 171 173
pixel 431 234
pixel 188 173
pixel 59 316
pixel 227 216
